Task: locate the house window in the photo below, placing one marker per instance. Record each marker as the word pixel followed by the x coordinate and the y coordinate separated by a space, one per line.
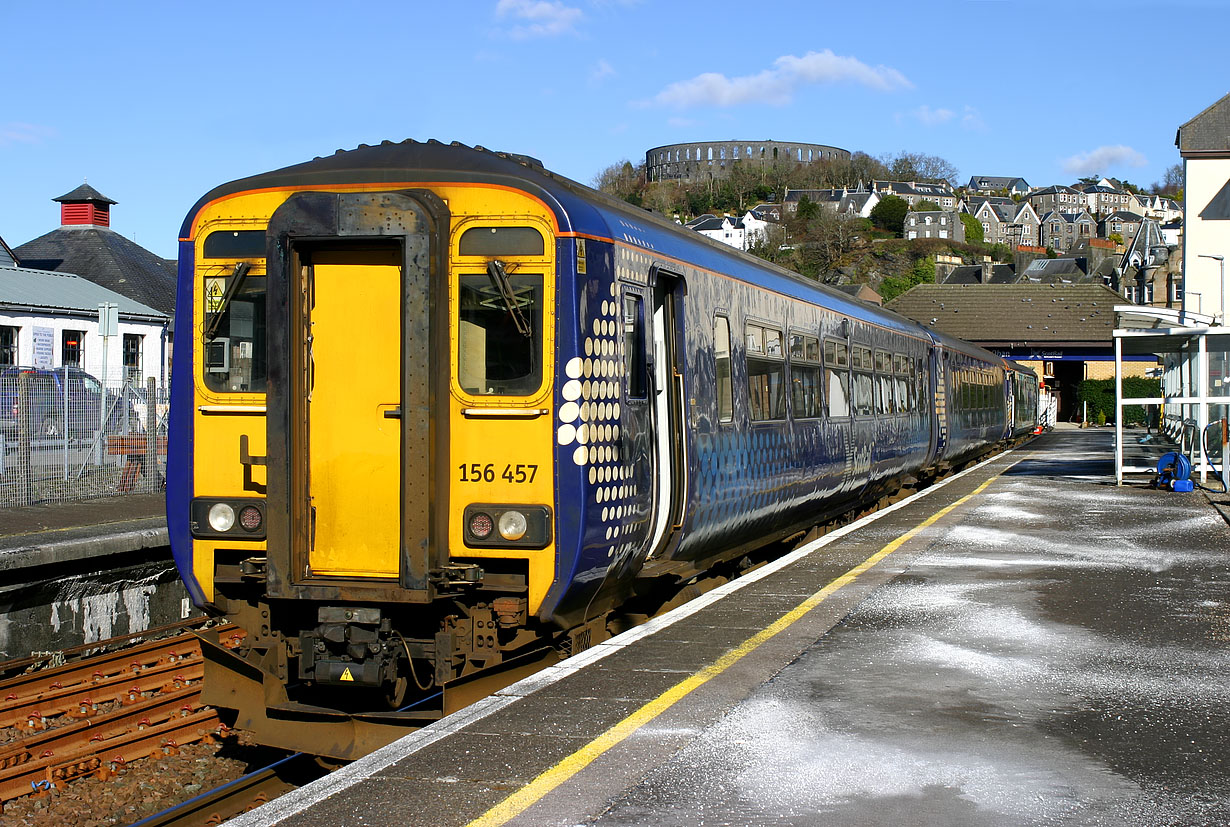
pixel 8 345
pixel 71 346
pixel 132 356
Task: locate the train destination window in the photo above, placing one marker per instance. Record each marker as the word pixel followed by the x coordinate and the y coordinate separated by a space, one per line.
pixel 721 369
pixel 634 346
pixel 500 332
pixel 234 331
pixel 837 377
pixel 234 244
pixel 805 399
pixel 765 373
pixel 501 241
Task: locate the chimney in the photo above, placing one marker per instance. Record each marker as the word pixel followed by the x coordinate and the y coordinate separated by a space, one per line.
pixel 985 276
pixel 85 206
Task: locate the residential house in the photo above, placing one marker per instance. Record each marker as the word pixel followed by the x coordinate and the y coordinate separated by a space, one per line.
pixel 1059 197
pixel 915 191
pixel 1122 223
pixel 843 201
pixel 740 233
pixel 990 185
pixel 934 224
pixel 1204 144
pixel 1101 199
pixel 1061 230
pixel 1010 223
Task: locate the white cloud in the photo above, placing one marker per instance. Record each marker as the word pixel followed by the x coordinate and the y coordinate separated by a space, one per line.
pixel 1102 159
pixel 972 120
pixel 776 86
pixel 933 117
pixel 539 18
pixel 601 71
pixel 16 132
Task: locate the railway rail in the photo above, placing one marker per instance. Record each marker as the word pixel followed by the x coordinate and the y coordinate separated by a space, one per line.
pixel 94 715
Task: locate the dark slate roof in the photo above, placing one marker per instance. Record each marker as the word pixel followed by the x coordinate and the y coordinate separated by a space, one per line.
pixel 1207 132
pixel 713 223
pixel 1218 209
pixel 1054 190
pixel 1014 314
pixel 994 182
pixel 1124 215
pixel 1051 270
pixel 7 259
pixel 84 193
pixel 107 258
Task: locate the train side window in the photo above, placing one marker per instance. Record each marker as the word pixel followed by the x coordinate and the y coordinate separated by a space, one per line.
pixel 765 373
pixel 883 382
pixel 634 346
pixel 805 401
pixel 863 393
pixel 837 377
pixel 721 369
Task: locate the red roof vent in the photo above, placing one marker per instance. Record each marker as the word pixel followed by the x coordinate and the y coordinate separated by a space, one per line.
pixel 85 206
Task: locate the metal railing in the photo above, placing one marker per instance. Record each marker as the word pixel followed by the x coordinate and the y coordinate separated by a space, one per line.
pixel 64 437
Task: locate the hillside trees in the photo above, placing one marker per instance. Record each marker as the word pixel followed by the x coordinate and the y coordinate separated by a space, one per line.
pixel 973 229
pixel 889 214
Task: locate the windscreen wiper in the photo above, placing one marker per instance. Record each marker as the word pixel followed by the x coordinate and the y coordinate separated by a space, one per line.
pixel 237 277
pixel 499 278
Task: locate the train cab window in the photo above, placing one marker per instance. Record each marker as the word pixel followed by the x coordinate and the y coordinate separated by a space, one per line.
pixel 837 377
pixel 500 241
pixel 634 346
pixel 721 369
pixel 805 399
pixel 500 332
pixel 765 373
pixel 234 302
pixel 234 244
pixel 863 393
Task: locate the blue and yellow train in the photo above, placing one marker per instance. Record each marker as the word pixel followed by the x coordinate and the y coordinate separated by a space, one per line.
pixel 437 410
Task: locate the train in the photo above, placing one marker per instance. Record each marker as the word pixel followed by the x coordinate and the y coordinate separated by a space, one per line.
pixel 438 412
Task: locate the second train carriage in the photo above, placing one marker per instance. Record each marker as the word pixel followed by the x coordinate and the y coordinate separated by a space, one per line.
pixel 441 409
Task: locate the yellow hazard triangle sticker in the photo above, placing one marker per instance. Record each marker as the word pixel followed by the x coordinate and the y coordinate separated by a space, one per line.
pixel 346 676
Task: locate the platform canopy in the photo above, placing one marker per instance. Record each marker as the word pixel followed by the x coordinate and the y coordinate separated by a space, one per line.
pixel 1194 366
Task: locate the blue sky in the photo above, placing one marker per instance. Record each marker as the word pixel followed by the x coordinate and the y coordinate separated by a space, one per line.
pixel 156 103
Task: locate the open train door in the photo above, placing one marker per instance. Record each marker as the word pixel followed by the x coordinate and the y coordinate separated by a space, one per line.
pixel 352 381
pixel 668 410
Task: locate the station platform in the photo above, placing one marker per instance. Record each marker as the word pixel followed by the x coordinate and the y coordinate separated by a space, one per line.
pixel 1023 643
pixel 39 535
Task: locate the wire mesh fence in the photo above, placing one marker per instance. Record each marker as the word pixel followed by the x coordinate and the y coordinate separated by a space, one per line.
pixel 65 436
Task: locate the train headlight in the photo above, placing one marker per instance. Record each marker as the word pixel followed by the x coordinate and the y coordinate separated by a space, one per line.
pixel 513 525
pixel 506 525
pixel 221 517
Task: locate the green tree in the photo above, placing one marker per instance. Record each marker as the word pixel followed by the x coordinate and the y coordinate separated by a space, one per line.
pixel 923 272
pixel 926 205
pixel 889 214
pixel 807 209
pixel 973 229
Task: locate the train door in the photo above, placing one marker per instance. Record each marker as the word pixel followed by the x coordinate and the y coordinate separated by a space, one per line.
pixel 352 377
pixel 668 411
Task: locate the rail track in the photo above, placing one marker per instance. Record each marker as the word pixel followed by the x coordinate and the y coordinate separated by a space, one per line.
pixel 94 715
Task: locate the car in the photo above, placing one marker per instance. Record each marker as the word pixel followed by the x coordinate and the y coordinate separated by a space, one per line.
pixel 64 401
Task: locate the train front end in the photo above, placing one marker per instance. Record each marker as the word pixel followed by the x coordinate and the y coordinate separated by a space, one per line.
pixel 361 477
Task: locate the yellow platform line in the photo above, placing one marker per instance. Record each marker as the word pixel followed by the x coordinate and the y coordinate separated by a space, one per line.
pixel 552 778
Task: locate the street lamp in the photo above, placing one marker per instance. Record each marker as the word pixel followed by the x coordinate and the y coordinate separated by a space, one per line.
pixel 1221 262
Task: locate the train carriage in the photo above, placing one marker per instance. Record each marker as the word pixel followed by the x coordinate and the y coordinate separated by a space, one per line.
pixel 441 411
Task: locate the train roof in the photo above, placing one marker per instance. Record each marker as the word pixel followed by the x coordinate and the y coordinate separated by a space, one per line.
pixel 577 208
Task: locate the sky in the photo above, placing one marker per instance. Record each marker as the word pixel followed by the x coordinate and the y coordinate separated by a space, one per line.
pixel 155 103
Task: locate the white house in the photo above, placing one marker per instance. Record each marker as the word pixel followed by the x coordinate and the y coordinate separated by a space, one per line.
pixel 1204 144
pixel 51 319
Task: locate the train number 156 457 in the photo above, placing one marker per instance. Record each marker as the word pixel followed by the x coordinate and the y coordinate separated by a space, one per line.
pixel 477 472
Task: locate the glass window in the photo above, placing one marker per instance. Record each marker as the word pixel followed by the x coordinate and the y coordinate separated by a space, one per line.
pixel 765 374
pixel 634 346
pixel 500 341
pixel 132 355
pixel 837 377
pixel 8 345
pixel 501 241
pixel 721 358
pixel 863 395
pixel 71 343
pixel 235 244
pixel 805 382
pixel 235 334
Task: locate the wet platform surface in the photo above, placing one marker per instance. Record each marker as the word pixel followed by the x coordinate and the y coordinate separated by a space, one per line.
pixel 1042 647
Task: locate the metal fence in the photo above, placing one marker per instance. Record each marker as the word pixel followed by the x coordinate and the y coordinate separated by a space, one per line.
pixel 64 436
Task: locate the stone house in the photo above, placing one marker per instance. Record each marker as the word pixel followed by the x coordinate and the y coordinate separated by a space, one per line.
pixel 990 184
pixel 934 224
pixel 1062 230
pixel 1013 224
pixel 1058 197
